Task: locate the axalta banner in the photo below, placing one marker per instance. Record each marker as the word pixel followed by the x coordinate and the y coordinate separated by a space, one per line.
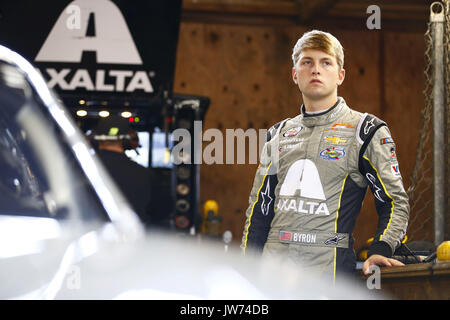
pixel 96 48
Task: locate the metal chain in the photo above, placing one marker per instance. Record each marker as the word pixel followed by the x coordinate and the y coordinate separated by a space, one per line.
pixel 420 191
pixel 420 188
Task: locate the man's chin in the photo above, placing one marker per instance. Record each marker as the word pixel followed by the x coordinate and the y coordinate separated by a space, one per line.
pixel 316 95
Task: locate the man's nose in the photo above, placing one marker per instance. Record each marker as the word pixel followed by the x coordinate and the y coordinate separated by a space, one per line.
pixel 315 69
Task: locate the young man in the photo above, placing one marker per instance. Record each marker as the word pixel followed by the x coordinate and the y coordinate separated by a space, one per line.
pixel 315 170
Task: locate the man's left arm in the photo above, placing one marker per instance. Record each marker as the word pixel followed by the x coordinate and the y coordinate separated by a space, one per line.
pixel 379 164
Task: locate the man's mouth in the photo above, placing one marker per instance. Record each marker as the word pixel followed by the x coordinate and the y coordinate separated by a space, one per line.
pixel 315 81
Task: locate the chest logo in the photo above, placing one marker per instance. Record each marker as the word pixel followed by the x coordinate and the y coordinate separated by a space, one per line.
pixel 335 140
pixel 292 132
pixel 303 179
pixel 304 176
pixel 332 153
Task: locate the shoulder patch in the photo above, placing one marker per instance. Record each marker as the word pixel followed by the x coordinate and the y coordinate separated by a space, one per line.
pixel 367 127
pixel 275 129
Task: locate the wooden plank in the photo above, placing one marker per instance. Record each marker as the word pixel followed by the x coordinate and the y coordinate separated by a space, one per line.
pixel 417 288
pixel 430 281
pixel 263 7
pixel 408 271
pixel 425 281
pixel 404 14
pixel 430 269
pixel 310 10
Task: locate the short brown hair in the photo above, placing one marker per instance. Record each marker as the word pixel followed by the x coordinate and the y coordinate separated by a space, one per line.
pixel 319 40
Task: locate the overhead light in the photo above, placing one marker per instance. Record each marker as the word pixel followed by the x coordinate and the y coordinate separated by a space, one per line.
pixel 82 113
pixel 82 102
pixel 126 114
pixel 103 113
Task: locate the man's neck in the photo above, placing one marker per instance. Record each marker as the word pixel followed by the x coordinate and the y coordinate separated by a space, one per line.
pixel 315 106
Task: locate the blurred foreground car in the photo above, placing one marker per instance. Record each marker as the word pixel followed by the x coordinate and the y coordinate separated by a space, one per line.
pixel 66 232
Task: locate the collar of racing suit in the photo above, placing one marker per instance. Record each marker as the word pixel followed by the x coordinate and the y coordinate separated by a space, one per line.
pixel 325 117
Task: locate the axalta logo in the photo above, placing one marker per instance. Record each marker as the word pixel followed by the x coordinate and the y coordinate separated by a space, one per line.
pixel 112 44
pixel 118 80
pixel 302 179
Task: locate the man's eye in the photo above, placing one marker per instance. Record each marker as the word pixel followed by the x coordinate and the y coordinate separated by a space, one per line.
pixel 306 62
pixel 327 63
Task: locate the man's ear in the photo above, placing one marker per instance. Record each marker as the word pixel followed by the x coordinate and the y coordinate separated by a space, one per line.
pixel 294 75
pixel 341 77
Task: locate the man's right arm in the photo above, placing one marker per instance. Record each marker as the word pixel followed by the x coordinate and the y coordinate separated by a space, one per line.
pixel 260 211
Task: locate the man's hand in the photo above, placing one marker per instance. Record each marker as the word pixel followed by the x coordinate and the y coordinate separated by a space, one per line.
pixel 379 260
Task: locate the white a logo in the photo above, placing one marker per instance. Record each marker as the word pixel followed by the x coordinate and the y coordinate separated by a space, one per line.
pixel 303 175
pixel 112 41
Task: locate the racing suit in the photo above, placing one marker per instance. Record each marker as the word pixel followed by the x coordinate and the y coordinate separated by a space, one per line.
pixel 308 190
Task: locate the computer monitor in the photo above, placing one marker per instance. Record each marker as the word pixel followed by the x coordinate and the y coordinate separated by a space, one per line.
pixel 141 155
pixel 161 156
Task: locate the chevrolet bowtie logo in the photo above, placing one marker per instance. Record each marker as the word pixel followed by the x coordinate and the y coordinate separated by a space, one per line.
pixel 335 139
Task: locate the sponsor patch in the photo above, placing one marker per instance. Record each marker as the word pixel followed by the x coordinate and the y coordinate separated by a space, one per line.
pixel 342 126
pixel 302 206
pixel 289 147
pixel 298 237
pixel 292 132
pixel 332 153
pixel 334 240
pixel 393 155
pixel 395 170
pixel 369 125
pixel 313 238
pixel 386 140
pixel 267 200
pixel 291 140
pixel 285 235
pixel 335 140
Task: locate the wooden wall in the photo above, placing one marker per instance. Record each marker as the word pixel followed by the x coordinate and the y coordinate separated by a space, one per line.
pixel 246 72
